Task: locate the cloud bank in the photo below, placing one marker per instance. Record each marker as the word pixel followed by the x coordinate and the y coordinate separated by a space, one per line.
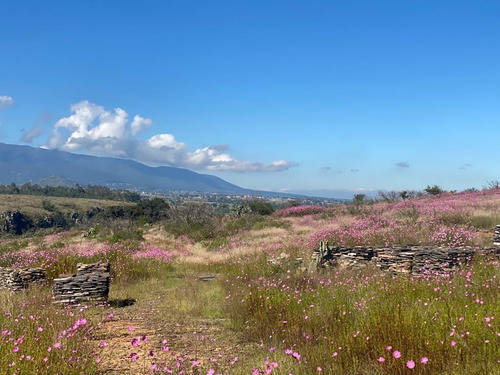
pixel 93 129
pixel 6 101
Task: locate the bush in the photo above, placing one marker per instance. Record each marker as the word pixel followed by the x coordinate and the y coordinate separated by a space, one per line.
pixel 261 207
pixel 130 235
pixel 301 210
pixel 197 221
pixel 48 205
pixel 434 190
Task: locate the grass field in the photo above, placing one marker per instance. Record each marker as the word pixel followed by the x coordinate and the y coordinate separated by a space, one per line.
pixel 257 317
pixel 32 205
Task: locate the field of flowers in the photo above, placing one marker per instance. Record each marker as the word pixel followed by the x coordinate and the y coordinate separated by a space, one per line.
pixel 261 317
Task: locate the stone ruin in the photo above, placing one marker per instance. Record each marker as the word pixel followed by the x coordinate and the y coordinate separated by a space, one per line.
pixel 496 236
pixel 415 260
pixel 90 283
pixel 19 279
pixel 409 259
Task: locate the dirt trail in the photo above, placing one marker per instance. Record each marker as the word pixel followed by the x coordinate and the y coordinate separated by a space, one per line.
pixel 158 339
pixel 165 343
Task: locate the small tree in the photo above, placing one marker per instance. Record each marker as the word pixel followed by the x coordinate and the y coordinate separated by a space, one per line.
pixel 260 207
pixel 493 184
pixel 404 194
pixel 470 190
pixel 434 190
pixel 359 198
pixel 388 196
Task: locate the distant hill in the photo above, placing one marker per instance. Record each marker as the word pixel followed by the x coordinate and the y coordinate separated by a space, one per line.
pixel 22 164
pixel 54 181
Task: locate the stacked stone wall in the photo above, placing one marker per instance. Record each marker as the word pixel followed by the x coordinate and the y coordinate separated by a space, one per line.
pixel 415 260
pixel 19 279
pixel 496 236
pixel 90 283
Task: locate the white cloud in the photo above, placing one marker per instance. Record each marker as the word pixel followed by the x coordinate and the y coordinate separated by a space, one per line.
pixel 6 101
pixel 93 129
pixel 139 123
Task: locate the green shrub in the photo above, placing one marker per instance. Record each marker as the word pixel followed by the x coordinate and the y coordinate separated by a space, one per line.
pixel 197 221
pixel 130 235
pixel 261 207
pixel 48 205
pixel 434 190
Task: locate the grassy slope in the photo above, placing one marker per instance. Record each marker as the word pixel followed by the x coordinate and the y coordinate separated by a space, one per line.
pixel 32 205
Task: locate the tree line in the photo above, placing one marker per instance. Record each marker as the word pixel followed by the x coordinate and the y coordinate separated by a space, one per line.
pixel 77 191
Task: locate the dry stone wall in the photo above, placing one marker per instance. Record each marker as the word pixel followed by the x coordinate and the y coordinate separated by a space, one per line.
pixel 19 279
pixel 90 283
pixel 415 260
pixel 496 236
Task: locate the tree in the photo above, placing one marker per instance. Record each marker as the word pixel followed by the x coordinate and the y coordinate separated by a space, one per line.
pixel 404 194
pixel 471 190
pixel 359 198
pixel 260 207
pixel 388 196
pixel 434 190
pixel 155 208
pixel 493 184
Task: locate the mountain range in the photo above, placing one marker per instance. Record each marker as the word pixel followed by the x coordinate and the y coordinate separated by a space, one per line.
pixel 22 164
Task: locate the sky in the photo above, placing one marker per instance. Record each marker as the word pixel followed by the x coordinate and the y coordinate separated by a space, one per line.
pixel 326 98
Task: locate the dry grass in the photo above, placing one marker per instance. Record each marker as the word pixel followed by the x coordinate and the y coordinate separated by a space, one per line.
pixel 31 205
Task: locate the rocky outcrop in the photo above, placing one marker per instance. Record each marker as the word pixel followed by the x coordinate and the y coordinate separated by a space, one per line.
pixel 14 222
pixel 19 279
pixel 90 283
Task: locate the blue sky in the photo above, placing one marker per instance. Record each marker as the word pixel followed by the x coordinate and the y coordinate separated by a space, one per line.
pixel 299 96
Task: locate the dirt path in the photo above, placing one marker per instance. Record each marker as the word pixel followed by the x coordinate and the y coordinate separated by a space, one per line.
pixel 135 340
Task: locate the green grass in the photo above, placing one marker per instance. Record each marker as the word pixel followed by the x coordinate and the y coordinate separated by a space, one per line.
pixel 364 313
pixel 40 338
pixel 485 221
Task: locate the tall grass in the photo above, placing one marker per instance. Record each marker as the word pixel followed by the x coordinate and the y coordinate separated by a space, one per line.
pixel 39 338
pixel 355 323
